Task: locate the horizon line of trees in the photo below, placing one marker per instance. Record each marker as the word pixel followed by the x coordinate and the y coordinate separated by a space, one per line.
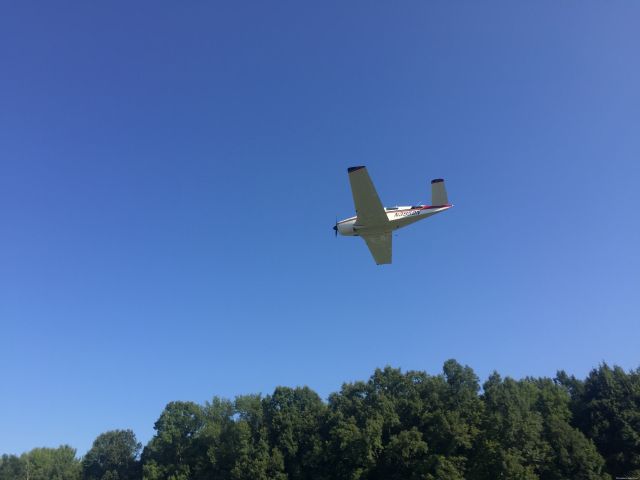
pixel 395 426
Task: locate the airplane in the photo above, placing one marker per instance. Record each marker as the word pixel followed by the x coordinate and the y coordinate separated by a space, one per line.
pixel 375 223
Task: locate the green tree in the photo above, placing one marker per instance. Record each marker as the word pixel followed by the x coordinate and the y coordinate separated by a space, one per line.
pixel 527 434
pixel 172 453
pixel 451 414
pixel 253 459
pixel 51 464
pixel 570 453
pixel 11 467
pixel 405 457
pixel 393 426
pixel 409 425
pixel 215 456
pixel 607 409
pixel 294 418
pixel 113 455
pixel 355 427
pixel 511 443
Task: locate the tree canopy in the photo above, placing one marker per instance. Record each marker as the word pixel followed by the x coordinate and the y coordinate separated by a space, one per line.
pixel 395 425
pixel 113 456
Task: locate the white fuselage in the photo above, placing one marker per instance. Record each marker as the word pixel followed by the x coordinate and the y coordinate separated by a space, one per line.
pixel 398 217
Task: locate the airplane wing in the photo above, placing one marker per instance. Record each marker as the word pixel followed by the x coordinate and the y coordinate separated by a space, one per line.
pixel 379 246
pixel 369 209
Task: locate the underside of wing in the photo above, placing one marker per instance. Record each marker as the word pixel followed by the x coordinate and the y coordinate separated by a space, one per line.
pixel 380 247
pixel 369 209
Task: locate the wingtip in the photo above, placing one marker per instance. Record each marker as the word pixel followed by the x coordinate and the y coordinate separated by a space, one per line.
pixel 437 180
pixel 353 169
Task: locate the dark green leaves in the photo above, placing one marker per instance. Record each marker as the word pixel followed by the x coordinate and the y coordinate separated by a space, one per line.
pixel 41 464
pixel 113 456
pixel 394 426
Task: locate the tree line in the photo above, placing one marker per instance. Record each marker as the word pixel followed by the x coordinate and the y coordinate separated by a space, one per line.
pixel 395 426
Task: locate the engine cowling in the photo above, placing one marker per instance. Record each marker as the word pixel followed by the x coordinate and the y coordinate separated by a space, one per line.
pixel 346 228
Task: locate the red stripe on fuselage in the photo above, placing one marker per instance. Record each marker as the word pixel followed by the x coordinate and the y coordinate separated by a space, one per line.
pixel 429 207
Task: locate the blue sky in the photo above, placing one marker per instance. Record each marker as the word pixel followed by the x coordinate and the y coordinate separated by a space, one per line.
pixel 170 173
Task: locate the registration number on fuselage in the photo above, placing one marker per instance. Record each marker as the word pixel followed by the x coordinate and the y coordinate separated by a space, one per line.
pixel 407 213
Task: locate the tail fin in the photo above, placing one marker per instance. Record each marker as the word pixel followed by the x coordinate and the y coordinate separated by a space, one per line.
pixel 438 192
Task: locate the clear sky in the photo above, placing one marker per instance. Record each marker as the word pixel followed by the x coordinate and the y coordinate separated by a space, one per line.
pixel 170 173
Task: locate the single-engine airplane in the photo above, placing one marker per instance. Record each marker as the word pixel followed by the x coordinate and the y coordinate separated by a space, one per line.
pixel 375 223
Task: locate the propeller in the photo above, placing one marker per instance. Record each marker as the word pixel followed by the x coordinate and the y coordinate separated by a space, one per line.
pixel 335 227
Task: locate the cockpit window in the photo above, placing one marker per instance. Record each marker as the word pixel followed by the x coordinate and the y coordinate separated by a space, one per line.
pixel 391 208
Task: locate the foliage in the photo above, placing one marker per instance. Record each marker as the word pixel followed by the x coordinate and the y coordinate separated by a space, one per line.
pixel 41 464
pixel 606 408
pixel 396 425
pixel 113 456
